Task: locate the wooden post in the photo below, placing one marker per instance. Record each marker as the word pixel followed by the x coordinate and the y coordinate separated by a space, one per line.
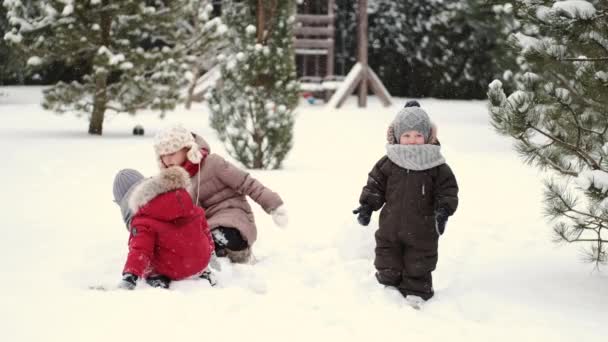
pixel 362 53
pixel 330 51
pixel 361 74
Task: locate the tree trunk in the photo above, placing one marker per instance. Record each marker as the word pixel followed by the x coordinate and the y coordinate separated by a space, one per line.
pixel 258 158
pixel 195 75
pixel 258 161
pixel 362 53
pixel 261 21
pixel 100 101
pixel 99 104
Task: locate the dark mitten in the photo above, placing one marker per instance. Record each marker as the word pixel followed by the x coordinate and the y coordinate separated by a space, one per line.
pixel 128 282
pixel 159 281
pixel 441 218
pixel 364 214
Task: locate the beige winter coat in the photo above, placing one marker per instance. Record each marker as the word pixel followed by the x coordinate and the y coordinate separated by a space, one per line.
pixel 221 188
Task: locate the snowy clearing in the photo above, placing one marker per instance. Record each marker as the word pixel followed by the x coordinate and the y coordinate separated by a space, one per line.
pixel 499 276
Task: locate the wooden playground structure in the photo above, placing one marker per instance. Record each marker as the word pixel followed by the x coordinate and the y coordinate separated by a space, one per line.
pixel 315 38
pixel 314 47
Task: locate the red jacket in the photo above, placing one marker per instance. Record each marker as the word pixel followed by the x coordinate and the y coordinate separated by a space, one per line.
pixel 169 234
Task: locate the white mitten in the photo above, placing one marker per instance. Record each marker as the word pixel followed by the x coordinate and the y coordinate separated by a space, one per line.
pixel 279 216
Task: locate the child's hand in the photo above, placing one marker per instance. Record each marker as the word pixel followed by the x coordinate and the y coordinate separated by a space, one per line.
pixel 279 216
pixel 128 281
pixel 441 218
pixel 364 214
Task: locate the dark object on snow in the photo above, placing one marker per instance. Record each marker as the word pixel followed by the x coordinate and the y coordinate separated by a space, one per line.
pixel 159 281
pixel 364 214
pixel 138 130
pixel 412 103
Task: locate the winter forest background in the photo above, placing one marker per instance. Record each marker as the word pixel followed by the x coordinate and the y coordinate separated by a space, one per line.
pixel 519 89
pixel 446 49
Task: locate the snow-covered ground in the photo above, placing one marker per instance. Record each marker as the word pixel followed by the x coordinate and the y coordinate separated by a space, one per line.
pixel 499 277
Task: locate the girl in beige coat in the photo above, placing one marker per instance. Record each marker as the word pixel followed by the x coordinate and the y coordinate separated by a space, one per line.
pixel 220 188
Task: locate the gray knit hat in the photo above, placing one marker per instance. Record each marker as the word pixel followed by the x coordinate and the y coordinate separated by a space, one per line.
pixel 124 183
pixel 412 119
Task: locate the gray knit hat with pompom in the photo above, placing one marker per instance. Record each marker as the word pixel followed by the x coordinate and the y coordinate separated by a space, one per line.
pixel 412 119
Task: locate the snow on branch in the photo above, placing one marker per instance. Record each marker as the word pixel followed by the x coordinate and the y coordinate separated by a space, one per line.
pixel 579 59
pixel 575 9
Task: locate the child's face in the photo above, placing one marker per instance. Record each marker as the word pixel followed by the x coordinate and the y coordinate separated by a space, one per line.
pixel 175 158
pixel 411 138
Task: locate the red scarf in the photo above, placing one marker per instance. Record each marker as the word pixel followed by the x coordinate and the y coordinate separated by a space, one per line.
pixel 192 168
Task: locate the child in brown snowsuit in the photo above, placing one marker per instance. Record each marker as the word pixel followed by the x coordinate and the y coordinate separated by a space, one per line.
pixel 417 192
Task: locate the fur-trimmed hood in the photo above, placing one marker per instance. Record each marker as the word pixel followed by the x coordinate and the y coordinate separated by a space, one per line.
pixel 169 234
pixel 170 179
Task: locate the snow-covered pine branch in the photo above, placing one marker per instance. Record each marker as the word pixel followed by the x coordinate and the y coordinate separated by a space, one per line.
pixel 585 59
pixel 558 113
pixel 137 54
pixel 439 48
pixel 253 102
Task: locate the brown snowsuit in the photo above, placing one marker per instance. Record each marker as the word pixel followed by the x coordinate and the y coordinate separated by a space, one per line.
pixel 407 239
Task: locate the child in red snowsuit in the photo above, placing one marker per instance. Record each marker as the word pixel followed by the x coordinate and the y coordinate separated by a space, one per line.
pixel 169 235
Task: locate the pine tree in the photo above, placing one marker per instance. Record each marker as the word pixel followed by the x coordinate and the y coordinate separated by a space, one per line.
pixel 346 35
pixel 477 34
pixel 559 113
pixel 11 66
pixel 203 57
pixel 438 48
pixel 138 51
pixel 252 106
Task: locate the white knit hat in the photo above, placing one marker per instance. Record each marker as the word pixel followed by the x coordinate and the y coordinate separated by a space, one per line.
pixel 173 139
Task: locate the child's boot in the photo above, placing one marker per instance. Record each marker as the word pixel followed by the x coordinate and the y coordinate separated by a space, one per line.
pixel 239 257
pixel 414 301
pixel 209 276
pixel 230 243
pixel 159 280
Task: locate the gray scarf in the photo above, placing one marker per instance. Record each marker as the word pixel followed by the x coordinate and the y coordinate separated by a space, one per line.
pixel 415 157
